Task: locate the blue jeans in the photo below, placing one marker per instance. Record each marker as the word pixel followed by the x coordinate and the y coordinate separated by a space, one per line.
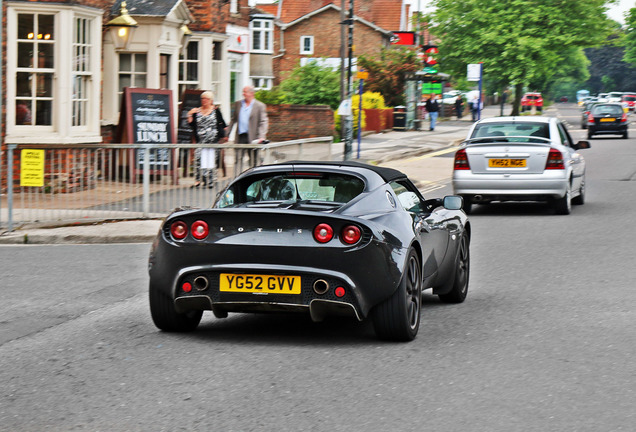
pixel 433 116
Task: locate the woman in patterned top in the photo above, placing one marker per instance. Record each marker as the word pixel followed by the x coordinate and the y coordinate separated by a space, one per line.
pixel 208 127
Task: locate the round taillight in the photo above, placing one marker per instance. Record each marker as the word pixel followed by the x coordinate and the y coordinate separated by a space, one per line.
pixel 200 230
pixel 323 233
pixel 187 287
pixel 351 234
pixel 339 291
pixel 179 230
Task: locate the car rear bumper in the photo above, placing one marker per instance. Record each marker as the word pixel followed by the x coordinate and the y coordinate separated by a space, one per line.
pixel 510 187
pixel 609 130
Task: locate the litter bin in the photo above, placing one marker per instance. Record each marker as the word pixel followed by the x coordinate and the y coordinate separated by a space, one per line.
pixel 399 118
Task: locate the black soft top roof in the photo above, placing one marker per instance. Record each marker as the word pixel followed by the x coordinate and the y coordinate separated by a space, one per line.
pixel 387 174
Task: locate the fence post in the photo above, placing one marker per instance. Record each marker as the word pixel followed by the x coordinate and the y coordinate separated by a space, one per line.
pixel 11 148
pixel 146 182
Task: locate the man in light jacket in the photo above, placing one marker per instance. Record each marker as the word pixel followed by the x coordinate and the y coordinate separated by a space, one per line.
pixel 250 117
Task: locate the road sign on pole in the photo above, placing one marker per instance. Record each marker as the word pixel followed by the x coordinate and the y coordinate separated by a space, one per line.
pixel 474 72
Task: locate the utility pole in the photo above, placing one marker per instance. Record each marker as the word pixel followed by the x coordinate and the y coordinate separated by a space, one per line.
pixel 349 119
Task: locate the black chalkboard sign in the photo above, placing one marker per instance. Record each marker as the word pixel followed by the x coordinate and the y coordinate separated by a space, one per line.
pixel 190 99
pixel 146 117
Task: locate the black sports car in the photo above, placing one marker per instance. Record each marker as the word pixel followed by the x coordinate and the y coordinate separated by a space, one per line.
pixel 327 238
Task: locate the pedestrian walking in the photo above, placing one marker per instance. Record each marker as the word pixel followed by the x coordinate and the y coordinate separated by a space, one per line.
pixel 432 106
pixel 208 127
pixel 459 106
pixel 250 117
pixel 475 107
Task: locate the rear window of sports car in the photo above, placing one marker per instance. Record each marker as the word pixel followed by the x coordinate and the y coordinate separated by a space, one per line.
pixel 292 187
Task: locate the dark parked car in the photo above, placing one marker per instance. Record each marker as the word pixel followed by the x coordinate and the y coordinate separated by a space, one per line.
pixel 323 238
pixel 607 118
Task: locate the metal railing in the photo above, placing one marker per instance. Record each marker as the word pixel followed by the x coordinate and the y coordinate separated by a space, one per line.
pixel 86 183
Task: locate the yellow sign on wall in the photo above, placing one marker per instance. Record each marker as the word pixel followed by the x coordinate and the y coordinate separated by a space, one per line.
pixel 32 168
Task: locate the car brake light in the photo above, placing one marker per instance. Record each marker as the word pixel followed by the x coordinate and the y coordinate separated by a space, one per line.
pixel 351 234
pixel 179 230
pixel 461 160
pixel 624 118
pixel 555 160
pixel 200 230
pixel 323 233
pixel 590 119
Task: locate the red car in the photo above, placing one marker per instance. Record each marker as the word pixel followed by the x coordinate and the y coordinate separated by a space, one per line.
pixel 629 100
pixel 531 99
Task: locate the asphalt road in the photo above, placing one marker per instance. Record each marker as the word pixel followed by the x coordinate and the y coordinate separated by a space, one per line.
pixel 544 342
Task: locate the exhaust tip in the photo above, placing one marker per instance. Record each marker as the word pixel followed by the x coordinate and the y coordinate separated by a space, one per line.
pixel 478 198
pixel 321 286
pixel 201 283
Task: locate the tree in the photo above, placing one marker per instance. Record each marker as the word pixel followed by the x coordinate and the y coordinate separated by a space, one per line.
pixel 312 84
pixel 387 74
pixel 630 38
pixel 518 41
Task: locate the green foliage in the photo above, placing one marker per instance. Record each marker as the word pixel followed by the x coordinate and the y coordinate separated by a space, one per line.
pixel 630 38
pixel 312 84
pixel 271 97
pixel 520 42
pixel 387 73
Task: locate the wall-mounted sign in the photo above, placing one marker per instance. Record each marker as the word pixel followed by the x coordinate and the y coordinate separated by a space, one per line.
pixel 403 38
pixel 32 168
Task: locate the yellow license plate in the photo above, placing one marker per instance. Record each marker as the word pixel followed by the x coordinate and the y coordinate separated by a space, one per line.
pixel 250 283
pixel 608 119
pixel 506 163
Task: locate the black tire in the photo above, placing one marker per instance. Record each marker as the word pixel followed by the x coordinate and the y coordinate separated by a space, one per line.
pixel 589 134
pixel 580 199
pixel 462 274
pixel 625 135
pixel 563 205
pixel 167 318
pixel 468 204
pixel 398 317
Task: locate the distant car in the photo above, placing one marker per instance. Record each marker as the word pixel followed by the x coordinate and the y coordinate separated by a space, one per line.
pixel 321 238
pixel 520 159
pixel 603 97
pixel 585 112
pixel 629 101
pixel 563 99
pixel 607 119
pixel 583 100
pixel 532 99
pixel 615 97
pixel 451 97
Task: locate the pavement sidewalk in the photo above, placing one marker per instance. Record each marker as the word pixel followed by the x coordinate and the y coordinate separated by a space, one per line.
pixel 380 149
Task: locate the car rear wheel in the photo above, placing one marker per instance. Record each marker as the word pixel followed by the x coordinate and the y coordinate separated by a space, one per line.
pixel 589 134
pixel 167 318
pixel 462 272
pixel 398 317
pixel 563 205
pixel 625 135
pixel 580 199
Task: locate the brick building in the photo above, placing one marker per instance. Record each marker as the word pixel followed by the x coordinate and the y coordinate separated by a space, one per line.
pixel 310 30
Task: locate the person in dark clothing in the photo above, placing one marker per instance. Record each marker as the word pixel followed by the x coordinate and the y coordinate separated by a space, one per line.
pixel 459 107
pixel 432 106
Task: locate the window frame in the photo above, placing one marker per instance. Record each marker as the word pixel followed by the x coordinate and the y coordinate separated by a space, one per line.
pixel 304 51
pixel 63 128
pixel 264 34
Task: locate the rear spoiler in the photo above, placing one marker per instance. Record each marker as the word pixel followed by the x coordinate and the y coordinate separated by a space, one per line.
pixel 504 138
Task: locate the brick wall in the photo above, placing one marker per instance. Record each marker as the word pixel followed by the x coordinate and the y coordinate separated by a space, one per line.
pixel 325 29
pixel 290 122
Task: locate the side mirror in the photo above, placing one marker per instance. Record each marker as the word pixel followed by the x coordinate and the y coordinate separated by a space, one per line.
pixel 453 202
pixel 582 145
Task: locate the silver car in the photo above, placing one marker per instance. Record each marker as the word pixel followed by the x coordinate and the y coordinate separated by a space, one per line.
pixel 520 159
